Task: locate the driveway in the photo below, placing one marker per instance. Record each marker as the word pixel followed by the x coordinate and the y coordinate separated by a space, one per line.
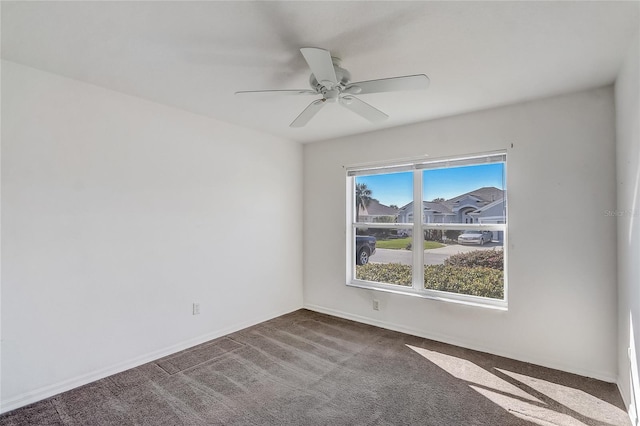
pixel 431 257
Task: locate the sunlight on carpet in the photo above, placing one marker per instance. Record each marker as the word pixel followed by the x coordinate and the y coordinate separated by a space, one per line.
pixel 529 398
pixel 527 411
pixel 576 400
pixel 469 372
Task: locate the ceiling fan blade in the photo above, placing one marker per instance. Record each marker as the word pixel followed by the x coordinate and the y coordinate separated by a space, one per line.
pixel 277 92
pixel 321 64
pixel 308 113
pixel 363 109
pixel 408 82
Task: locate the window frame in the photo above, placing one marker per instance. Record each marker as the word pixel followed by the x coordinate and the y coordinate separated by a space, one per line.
pixel 417 167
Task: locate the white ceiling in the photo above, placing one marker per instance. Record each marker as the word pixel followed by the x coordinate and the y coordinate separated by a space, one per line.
pixel 195 55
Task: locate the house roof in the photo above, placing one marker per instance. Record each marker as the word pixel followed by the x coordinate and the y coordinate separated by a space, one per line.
pixel 436 207
pixel 490 205
pixel 488 194
pixel 375 208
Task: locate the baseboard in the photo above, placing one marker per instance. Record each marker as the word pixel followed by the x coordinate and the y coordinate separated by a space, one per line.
pixel 457 342
pixel 56 388
pixel 630 410
pixel 622 394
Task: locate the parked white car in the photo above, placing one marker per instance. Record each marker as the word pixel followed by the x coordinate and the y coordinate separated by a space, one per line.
pixel 475 237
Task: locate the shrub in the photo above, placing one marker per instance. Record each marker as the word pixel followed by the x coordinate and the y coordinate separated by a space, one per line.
pixel 493 259
pixel 475 281
pixel 382 233
pixel 393 273
pixel 439 235
pixel 452 234
pixel 433 235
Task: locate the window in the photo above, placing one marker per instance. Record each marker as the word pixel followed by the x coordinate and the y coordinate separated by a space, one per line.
pixel 461 235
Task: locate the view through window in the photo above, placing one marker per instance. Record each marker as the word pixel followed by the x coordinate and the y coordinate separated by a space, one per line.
pixel 461 230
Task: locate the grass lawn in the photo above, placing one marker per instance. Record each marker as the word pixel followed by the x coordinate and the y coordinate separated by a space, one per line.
pixel 401 243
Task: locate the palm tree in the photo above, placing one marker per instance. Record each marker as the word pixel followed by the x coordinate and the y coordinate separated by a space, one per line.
pixel 363 198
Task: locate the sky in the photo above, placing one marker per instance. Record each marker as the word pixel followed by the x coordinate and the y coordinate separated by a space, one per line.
pixel 397 188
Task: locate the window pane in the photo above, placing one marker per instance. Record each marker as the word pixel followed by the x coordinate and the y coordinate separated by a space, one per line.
pixel 383 256
pixel 467 262
pixel 463 211
pixel 379 197
pixel 468 194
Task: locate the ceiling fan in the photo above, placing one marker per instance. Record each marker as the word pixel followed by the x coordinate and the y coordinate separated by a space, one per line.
pixel 334 84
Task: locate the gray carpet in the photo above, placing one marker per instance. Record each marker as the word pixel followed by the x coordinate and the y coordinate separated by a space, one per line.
pixel 306 368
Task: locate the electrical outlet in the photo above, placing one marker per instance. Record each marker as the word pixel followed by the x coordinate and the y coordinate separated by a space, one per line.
pixel 376 305
pixel 196 309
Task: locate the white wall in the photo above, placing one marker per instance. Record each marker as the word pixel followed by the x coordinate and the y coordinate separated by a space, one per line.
pixel 562 249
pixel 117 214
pixel 0 220
pixel 627 92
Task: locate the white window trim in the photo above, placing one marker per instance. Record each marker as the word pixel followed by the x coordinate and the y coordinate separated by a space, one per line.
pixel 417 289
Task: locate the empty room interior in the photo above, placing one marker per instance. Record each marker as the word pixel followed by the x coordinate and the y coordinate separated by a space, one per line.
pixel 207 213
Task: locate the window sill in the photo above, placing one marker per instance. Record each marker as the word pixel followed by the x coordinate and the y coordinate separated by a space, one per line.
pixel 461 299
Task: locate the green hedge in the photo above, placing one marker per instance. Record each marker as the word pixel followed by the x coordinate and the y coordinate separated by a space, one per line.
pixel 392 273
pixel 476 281
pixel 488 258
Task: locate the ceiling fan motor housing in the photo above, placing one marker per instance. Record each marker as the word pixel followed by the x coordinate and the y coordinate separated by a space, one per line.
pixel 343 78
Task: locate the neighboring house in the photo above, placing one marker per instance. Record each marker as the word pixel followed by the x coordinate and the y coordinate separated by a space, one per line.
pixel 377 212
pixel 483 205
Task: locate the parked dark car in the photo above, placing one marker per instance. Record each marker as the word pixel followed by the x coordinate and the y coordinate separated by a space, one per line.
pixel 475 237
pixel 365 247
